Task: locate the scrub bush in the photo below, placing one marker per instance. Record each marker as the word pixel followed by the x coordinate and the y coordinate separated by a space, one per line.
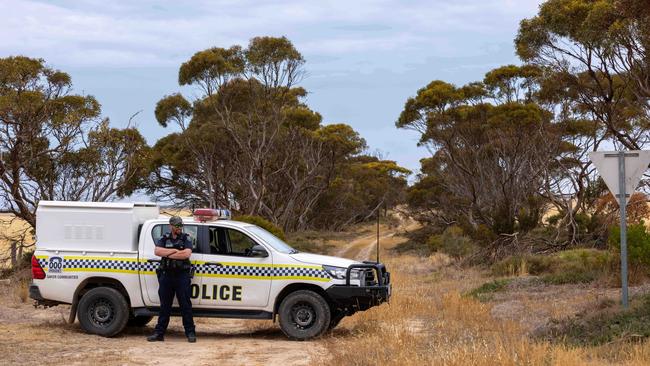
pixel 569 266
pixel 638 243
pixel 452 242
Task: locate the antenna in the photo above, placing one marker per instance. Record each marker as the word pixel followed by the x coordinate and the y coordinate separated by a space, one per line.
pixel 378 234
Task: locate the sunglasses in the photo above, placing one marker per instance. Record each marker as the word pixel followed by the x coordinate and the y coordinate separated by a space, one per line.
pixel 178 226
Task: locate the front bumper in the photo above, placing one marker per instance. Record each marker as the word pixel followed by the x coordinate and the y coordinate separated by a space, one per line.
pixel 359 298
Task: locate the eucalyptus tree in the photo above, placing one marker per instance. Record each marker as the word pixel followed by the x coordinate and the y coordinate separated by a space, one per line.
pixel 53 144
pixel 248 140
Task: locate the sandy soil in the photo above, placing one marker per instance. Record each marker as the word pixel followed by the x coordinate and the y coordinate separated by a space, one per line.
pixel 50 339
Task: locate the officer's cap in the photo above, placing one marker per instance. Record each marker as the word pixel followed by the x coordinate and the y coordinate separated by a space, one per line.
pixel 175 221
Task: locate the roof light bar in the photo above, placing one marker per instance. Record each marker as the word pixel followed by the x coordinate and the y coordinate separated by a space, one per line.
pixel 211 214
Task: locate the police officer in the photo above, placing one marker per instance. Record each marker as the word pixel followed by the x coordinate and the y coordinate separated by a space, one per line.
pixel 174 277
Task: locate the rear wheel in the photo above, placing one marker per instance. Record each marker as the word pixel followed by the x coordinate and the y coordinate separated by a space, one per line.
pixel 103 311
pixel 304 314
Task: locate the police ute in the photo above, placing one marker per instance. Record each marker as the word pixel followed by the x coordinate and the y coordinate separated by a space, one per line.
pixel 99 258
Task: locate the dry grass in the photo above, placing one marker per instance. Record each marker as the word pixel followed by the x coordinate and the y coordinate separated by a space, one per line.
pixel 430 322
pixel 12 229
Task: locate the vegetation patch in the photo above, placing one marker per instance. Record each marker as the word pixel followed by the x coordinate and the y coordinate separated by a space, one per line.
pixel 569 266
pixel 564 278
pixel 417 241
pixel 486 291
pixel 608 324
pixel 428 240
pixel 452 242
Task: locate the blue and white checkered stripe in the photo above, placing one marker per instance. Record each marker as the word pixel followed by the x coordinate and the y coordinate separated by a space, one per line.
pixel 236 270
pixel 97 264
pixel 262 271
pixel 300 272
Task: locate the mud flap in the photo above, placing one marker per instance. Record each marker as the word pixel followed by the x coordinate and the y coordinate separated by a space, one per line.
pixel 73 311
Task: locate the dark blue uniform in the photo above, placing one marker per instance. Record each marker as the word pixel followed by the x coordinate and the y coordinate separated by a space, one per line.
pixel 174 278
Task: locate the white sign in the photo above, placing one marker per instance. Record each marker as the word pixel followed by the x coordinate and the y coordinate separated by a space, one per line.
pixel 636 163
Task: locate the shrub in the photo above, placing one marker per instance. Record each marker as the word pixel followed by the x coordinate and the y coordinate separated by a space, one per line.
pixel 563 278
pixel 417 242
pixel 263 223
pixel 523 264
pixel 605 325
pixel 569 266
pixel 486 290
pixel 638 243
pixel 452 242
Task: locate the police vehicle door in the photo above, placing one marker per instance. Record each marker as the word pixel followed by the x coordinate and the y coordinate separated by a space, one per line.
pixel 230 275
pixel 148 278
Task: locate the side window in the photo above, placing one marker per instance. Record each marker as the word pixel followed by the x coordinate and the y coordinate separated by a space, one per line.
pixel 215 241
pixel 240 243
pixel 191 230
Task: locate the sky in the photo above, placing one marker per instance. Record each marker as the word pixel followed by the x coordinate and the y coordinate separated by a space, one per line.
pixel 364 58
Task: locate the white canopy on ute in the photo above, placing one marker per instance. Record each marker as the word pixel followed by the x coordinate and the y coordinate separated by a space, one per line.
pixel 102 226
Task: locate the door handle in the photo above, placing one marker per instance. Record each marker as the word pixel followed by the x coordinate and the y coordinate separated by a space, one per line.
pixel 153 260
pixel 216 264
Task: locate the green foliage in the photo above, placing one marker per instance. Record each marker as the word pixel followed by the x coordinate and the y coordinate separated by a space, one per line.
pixel 452 242
pixel 263 223
pixel 250 137
pixel 217 64
pixel 502 146
pixel 602 326
pixel 564 278
pixel 173 107
pixel 638 243
pixel 265 52
pixel 569 266
pixel 361 185
pixel 486 291
pixel 475 178
pixel 417 241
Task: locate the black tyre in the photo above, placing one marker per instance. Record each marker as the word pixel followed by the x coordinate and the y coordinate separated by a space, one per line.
pixel 103 311
pixel 335 319
pixel 138 321
pixel 304 314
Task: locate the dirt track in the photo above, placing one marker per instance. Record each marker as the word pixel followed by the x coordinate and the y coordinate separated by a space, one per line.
pixel 37 336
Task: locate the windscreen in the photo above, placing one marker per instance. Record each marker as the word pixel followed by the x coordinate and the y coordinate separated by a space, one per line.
pixel 271 239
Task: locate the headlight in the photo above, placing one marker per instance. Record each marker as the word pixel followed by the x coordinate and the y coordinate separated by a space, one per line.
pixel 339 272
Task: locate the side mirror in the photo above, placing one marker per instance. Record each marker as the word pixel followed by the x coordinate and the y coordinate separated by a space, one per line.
pixel 259 251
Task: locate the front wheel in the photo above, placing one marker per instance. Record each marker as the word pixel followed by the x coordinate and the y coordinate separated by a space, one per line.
pixel 103 311
pixel 304 314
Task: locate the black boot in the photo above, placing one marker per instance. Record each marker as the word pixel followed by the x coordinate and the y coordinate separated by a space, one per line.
pixel 191 337
pixel 156 337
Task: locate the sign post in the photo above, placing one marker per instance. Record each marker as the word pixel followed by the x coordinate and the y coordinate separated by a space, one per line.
pixel 630 167
pixel 622 204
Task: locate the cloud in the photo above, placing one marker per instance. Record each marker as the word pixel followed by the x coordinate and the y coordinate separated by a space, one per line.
pixel 124 33
pixel 364 57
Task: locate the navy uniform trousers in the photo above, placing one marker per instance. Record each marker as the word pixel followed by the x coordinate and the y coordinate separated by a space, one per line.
pixel 174 282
